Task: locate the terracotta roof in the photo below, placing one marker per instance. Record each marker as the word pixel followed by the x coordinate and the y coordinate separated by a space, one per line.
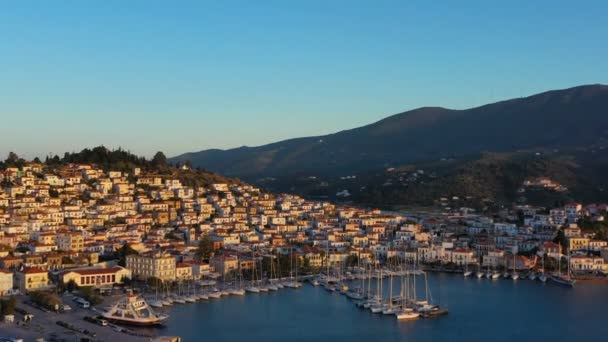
pixel 93 271
pixel 31 270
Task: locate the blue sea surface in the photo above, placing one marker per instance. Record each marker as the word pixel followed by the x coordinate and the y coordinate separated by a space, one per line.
pixel 479 310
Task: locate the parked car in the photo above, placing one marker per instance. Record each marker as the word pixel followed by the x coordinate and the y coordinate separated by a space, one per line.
pixel 83 303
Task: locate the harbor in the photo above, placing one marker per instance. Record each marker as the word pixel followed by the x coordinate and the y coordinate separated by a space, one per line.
pixel 477 309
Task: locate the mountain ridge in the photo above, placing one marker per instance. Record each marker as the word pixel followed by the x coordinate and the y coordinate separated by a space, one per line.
pixel 547 119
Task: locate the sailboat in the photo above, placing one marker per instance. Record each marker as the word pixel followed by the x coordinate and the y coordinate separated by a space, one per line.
pixel 262 286
pixel 378 306
pixel 479 273
pixel 190 298
pixel 275 275
pixel 467 273
pixel 271 286
pixel 293 282
pixel 495 274
pixel 405 311
pixel 541 276
pixel 156 302
pixel 565 280
pixel 390 310
pixel 514 275
pixel 237 289
pixel 252 287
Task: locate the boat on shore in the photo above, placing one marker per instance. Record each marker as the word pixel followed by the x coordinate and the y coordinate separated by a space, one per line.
pixel 133 310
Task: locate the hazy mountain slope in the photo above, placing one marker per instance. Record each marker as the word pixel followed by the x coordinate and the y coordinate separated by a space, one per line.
pixel 561 118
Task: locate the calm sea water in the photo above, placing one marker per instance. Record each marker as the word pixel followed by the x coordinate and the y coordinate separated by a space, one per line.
pixel 480 310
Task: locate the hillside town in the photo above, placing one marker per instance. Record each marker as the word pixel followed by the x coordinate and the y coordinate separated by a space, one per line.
pixel 65 224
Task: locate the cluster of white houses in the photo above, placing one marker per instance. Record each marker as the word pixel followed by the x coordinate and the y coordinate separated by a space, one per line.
pixel 56 223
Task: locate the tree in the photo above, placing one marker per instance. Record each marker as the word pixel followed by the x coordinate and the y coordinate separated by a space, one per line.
pixel 561 239
pixel 205 248
pixel 12 158
pixel 89 294
pixel 351 260
pixel 8 306
pixel 159 159
pixel 71 286
pixel 122 253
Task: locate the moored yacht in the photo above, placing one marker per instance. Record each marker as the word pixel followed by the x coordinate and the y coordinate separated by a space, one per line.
pixel 562 280
pixel 252 289
pixel 237 292
pixel 406 314
pixel 155 303
pixel 215 294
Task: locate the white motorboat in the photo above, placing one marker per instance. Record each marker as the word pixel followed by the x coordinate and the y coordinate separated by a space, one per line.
pixel 391 310
pixel 407 314
pixel 215 294
pixel 155 303
pixel 252 289
pixel 378 308
pixel 237 292
pixel 179 300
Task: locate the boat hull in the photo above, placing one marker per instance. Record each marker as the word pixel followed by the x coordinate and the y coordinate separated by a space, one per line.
pixel 133 323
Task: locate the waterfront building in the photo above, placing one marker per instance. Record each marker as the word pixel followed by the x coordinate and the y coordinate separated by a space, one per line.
pixel 97 277
pixel 32 278
pixel 494 258
pixel 183 271
pixel 578 243
pixel 157 265
pixel 461 256
pixel 224 264
pixel 587 263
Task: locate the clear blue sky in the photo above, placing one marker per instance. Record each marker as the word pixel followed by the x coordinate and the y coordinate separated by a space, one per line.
pixel 182 76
